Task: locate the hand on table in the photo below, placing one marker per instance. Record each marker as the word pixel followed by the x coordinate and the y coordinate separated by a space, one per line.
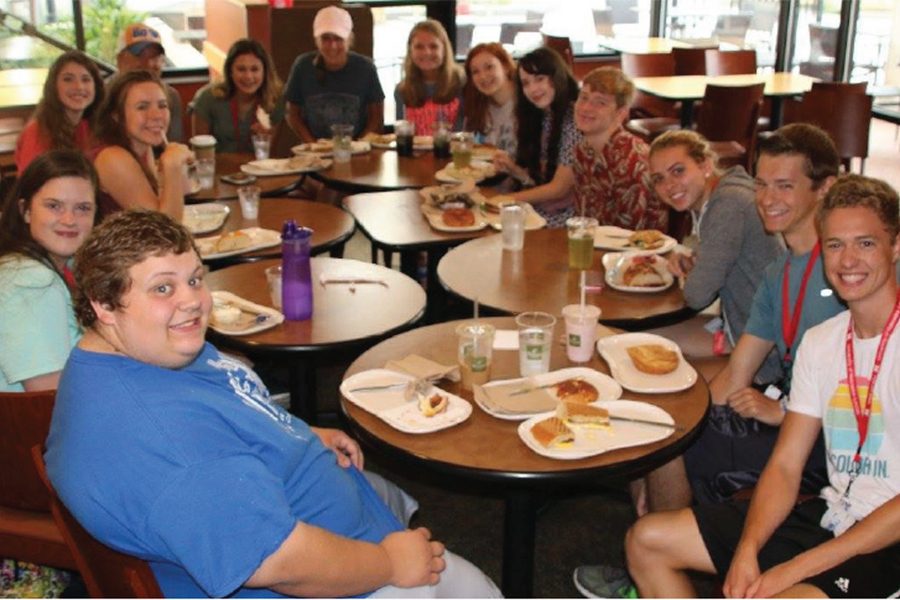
pixel 504 163
pixel 415 559
pixel 680 264
pixel 752 404
pixel 345 448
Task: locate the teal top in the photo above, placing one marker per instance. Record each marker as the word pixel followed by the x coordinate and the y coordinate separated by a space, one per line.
pixel 38 327
pixel 218 113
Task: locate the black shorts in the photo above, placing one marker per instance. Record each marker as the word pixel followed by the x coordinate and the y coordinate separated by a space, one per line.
pixel 875 575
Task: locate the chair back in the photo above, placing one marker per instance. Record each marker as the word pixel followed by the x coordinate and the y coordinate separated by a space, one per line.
pixel 106 573
pixel 730 114
pixel 689 61
pixel 650 65
pixel 563 45
pixel 730 62
pixel 840 87
pixel 24 422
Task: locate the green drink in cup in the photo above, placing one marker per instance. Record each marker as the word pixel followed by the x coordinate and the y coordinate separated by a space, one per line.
pixel 581 242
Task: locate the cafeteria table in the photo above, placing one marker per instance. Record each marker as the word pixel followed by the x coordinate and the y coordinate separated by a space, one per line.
pixel 344 315
pixel 331 226
pixel 230 162
pixel 382 169
pixel 487 451
pixel 539 278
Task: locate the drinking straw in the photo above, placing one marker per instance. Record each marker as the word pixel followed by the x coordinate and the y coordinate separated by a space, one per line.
pixel 583 285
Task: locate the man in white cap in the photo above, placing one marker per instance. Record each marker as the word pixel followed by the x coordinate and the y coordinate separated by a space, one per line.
pixel 333 85
pixel 140 47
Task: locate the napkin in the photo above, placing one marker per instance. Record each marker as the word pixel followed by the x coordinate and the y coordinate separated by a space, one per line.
pixel 506 339
pixel 262 118
pixel 348 278
pixel 423 368
pixel 499 399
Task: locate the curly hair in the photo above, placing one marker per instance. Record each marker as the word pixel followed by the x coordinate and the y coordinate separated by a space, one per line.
pixel 475 102
pixel 450 75
pixel 15 234
pixel 543 61
pixel 50 114
pixel 123 240
pixel 857 190
pixel 269 92
pixel 695 145
pixel 820 155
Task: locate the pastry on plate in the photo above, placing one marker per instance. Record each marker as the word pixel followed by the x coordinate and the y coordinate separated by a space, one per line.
pixel 381 139
pixel 654 359
pixel 225 314
pixel 647 239
pixel 458 217
pixel 552 431
pixel 576 390
pixel 582 414
pixel 432 405
pixel 233 240
pixel 641 272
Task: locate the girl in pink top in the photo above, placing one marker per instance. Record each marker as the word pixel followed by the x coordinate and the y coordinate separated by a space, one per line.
pixel 63 118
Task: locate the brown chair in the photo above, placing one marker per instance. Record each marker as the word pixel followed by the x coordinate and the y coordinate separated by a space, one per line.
pixel 844 113
pixel 650 116
pixel 689 61
pixel 729 121
pixel 27 530
pixel 106 573
pixel 844 88
pixel 563 45
pixel 729 62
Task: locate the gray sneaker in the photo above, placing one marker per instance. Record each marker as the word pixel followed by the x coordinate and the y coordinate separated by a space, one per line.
pixel 604 581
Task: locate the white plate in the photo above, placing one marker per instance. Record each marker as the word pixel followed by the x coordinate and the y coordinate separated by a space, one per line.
pixel 391 407
pixel 204 218
pixel 254 317
pixel 609 237
pixel 533 220
pixel 484 153
pixel 259 238
pixel 477 171
pixel 434 216
pixel 615 264
pixel 325 148
pixel 281 166
pixel 607 388
pixel 613 350
pixel 590 441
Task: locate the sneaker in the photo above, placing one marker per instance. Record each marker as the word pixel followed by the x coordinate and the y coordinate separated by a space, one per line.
pixel 604 581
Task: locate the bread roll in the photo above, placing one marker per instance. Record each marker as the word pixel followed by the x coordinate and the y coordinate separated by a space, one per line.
pixel 642 273
pixel 647 239
pixel 552 432
pixel 576 390
pixel 233 240
pixel 655 359
pixel 225 314
pixel 458 217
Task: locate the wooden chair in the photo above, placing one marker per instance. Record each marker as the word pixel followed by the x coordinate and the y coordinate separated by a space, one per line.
pixel 650 116
pixel 563 45
pixel 729 121
pixel 841 87
pixel 729 62
pixel 689 61
pixel 27 530
pixel 106 573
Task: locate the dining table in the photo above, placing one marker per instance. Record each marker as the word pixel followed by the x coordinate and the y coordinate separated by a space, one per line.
pixel 487 451
pixel 331 226
pixel 688 89
pixel 230 162
pixel 345 315
pixel 538 277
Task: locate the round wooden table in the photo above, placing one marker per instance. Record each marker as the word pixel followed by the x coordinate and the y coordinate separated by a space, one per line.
pixel 341 316
pixel 230 162
pixel 488 450
pixel 539 278
pixel 331 226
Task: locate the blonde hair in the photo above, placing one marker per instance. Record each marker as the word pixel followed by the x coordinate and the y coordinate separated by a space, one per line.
pixel 450 75
pixel 612 81
pixel 696 146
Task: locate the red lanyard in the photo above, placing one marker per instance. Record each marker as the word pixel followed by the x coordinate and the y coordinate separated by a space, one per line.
pixel 862 414
pixel 790 324
pixel 235 121
pixel 69 278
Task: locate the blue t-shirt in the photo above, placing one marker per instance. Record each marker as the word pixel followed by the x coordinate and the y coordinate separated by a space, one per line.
pixel 195 470
pixel 819 304
pixel 343 96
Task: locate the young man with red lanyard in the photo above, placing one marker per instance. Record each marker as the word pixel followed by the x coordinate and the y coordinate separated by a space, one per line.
pixel 846 542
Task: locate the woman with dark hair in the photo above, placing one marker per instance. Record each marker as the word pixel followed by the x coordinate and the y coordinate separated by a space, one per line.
pixel 431 89
pixel 490 96
pixel 135 117
pixel 63 118
pixel 230 109
pixel 45 219
pixel 546 94
pixel 333 85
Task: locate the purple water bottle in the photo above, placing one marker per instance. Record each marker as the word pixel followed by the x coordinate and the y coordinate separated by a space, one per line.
pixel 296 279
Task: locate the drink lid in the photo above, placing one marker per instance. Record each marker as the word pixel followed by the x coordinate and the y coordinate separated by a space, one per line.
pixel 202 141
pixel 291 231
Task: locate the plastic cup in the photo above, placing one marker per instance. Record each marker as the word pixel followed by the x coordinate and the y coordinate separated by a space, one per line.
pixel 206 172
pixel 512 225
pixel 461 149
pixel 581 242
pixel 273 279
pixel 204 146
pixel 535 342
pixel 342 136
pixel 475 353
pixel 261 145
pixel 441 139
pixel 405 131
pixel 581 331
pixel 248 195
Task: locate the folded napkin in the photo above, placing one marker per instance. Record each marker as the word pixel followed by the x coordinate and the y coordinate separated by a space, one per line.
pixel 423 368
pixel 499 399
pixel 348 278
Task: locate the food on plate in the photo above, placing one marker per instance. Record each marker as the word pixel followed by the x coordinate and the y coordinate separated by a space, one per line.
pixel 233 240
pixel 451 195
pixel 458 217
pixel 323 145
pixel 382 139
pixel 493 203
pixel 647 239
pixel 582 414
pixel 432 405
pixel 471 171
pixel 423 140
pixel 576 390
pixel 654 359
pixel 642 273
pixel 552 432
pixel 225 314
pixel 305 161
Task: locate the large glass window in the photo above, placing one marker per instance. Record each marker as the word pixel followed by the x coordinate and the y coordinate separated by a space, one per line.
pixel 392 25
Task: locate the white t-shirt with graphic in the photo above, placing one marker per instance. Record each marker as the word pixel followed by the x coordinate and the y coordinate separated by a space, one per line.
pixel 820 390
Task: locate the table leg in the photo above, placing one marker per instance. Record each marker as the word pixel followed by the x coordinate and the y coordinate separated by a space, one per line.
pixel 337 251
pixel 409 263
pixel 437 296
pixel 775 118
pixel 302 387
pixel 518 544
pixel 687 113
